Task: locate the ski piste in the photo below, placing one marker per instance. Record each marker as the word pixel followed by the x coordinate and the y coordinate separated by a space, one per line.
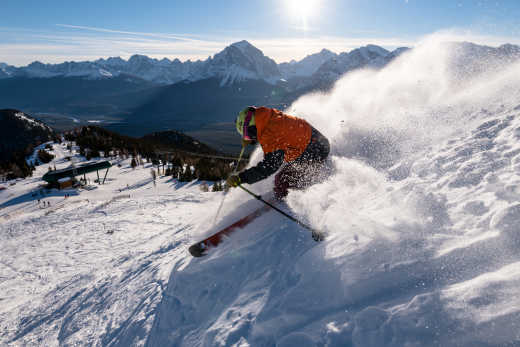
pixel 201 248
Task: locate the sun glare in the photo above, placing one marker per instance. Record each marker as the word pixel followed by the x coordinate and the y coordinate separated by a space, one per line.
pixel 303 10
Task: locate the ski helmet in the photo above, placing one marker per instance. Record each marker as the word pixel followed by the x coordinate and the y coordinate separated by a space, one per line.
pixel 245 118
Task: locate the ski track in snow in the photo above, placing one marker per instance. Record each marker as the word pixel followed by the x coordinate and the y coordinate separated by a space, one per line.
pixel 421 209
pixel 80 271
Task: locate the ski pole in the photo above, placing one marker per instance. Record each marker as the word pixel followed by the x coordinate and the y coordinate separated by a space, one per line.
pixel 316 235
pixel 239 158
pixel 224 197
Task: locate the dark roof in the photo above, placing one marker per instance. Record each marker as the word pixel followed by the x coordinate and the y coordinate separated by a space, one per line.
pixel 54 176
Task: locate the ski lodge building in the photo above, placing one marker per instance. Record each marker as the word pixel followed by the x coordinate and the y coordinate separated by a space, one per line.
pixel 65 177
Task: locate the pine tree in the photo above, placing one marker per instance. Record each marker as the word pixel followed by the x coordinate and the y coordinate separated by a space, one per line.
pixel 217 187
pixel 154 176
pixel 44 156
pixel 187 175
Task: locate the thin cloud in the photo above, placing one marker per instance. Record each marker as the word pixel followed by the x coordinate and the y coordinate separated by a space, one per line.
pixel 183 37
pixel 21 47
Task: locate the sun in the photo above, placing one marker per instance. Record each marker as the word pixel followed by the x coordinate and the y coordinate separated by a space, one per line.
pixel 303 10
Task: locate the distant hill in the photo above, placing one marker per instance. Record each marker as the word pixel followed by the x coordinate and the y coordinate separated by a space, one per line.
pixel 179 141
pixel 19 134
pixel 19 129
pixel 99 139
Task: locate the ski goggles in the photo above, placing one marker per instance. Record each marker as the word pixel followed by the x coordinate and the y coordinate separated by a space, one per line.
pixel 247 120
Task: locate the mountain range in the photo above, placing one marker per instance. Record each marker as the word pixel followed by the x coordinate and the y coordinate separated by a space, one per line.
pixel 238 62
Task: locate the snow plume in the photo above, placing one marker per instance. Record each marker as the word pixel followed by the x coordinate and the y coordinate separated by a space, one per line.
pixel 422 97
pixel 380 122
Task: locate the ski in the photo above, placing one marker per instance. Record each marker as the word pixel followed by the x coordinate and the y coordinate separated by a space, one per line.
pixel 201 248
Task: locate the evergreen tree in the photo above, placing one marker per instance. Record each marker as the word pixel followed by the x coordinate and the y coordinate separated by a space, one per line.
pixel 16 171
pixel 44 156
pixel 154 176
pixel 217 187
pixel 186 175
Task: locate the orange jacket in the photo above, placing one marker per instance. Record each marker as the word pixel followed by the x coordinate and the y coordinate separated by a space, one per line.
pixel 278 131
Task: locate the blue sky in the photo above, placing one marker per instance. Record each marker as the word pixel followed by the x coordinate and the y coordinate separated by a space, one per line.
pixel 54 31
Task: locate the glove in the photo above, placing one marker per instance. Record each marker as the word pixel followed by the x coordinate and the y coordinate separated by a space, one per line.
pixel 233 180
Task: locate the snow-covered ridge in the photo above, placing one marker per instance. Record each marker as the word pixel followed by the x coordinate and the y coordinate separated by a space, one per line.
pixel 307 66
pixel 6 70
pixel 31 122
pixel 237 62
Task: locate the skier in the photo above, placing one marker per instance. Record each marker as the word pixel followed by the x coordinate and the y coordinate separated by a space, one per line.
pixel 283 138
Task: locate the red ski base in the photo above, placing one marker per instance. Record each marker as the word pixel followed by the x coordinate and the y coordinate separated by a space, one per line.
pixel 201 248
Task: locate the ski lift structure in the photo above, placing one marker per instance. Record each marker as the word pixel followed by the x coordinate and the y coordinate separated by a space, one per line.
pixel 54 178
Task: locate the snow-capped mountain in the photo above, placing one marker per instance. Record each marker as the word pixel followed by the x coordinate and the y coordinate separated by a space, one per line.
pixel 67 69
pixel 238 62
pixel 307 66
pixel 241 61
pixel 162 71
pixel 368 56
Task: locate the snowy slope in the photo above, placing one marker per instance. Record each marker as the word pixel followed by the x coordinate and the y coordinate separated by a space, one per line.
pixel 90 268
pixel 421 210
pixel 423 226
